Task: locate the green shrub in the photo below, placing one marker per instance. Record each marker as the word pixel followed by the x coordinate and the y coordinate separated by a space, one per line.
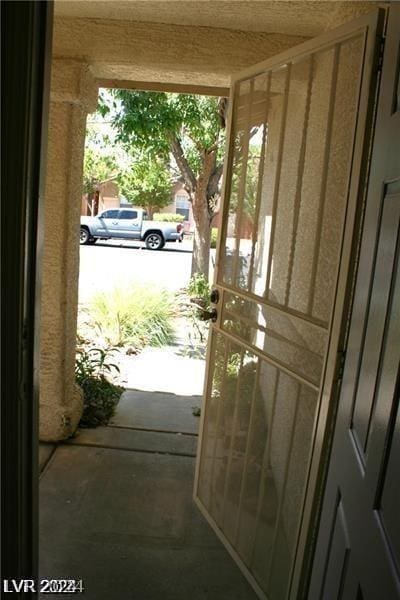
pixel 139 316
pixel 168 217
pixel 100 396
pixel 198 287
pixel 192 301
pixel 214 237
pixel 93 362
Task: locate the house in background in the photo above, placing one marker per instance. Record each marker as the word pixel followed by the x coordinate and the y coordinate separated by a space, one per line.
pixel 108 196
pixel 180 205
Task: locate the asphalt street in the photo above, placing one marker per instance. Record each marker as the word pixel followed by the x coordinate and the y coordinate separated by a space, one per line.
pixel 116 263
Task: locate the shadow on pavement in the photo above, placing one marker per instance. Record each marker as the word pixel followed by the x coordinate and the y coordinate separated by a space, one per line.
pixel 137 247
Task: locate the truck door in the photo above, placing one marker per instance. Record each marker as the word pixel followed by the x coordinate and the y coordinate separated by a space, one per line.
pixel 129 224
pixel 107 223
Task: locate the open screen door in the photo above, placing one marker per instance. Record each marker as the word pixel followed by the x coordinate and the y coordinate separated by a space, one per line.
pixel 298 146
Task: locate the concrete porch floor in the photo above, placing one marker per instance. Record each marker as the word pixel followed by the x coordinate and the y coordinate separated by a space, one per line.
pixel 116 509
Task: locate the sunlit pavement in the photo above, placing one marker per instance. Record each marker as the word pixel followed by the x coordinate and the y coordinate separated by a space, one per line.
pixel 106 265
pixel 110 264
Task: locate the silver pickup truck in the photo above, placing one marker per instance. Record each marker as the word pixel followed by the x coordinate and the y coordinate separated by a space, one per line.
pixel 131 224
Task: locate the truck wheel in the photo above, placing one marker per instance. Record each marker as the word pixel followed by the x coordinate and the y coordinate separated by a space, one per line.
pixel 154 241
pixel 84 236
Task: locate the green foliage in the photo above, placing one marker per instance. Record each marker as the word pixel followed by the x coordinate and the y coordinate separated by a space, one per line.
pixel 94 362
pixel 100 396
pixel 97 167
pixel 147 183
pixel 231 371
pixel 192 301
pixel 233 365
pixel 240 306
pixel 168 217
pixel 138 316
pixel 199 288
pixel 251 185
pixel 150 120
pixel 214 237
pixel 100 399
pixel 103 106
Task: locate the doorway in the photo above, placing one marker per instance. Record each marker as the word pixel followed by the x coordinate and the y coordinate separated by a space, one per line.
pixel 243 360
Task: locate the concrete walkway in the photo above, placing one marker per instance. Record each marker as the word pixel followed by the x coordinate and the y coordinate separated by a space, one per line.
pixel 116 502
pixel 171 369
pixel 157 411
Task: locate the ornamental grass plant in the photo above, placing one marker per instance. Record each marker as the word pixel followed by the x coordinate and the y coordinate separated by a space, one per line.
pixel 137 316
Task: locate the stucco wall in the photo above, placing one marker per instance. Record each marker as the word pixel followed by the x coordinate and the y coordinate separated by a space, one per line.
pixel 164 53
pixel 73 94
pixel 186 42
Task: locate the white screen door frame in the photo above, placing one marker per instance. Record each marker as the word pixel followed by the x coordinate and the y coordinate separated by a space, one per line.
pixel 253 251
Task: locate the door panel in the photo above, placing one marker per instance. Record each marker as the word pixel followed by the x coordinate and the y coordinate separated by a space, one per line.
pixel 364 470
pixel 298 126
pixel 129 227
pixel 289 192
pixel 26 40
pixel 390 498
pixel 108 223
pixel 359 532
pixel 294 343
pixel 255 455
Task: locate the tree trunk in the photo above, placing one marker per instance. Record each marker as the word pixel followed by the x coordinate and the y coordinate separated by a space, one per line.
pixel 203 215
pixel 202 235
pixel 203 193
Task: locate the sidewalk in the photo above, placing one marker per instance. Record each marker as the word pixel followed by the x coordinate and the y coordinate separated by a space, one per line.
pixel 116 501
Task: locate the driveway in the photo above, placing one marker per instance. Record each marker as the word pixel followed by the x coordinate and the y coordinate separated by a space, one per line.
pixel 114 263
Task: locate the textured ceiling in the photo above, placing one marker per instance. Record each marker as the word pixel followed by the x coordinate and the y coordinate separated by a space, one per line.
pixel 186 42
pixel 291 17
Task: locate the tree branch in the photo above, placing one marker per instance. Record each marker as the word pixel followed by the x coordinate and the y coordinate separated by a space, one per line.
pixel 213 182
pixel 213 192
pixel 195 142
pixel 184 167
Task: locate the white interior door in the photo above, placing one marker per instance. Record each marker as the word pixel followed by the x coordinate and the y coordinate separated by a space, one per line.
pixel 299 131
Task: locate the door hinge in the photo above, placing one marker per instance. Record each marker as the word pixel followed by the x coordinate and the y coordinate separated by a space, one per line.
pixel 339 369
